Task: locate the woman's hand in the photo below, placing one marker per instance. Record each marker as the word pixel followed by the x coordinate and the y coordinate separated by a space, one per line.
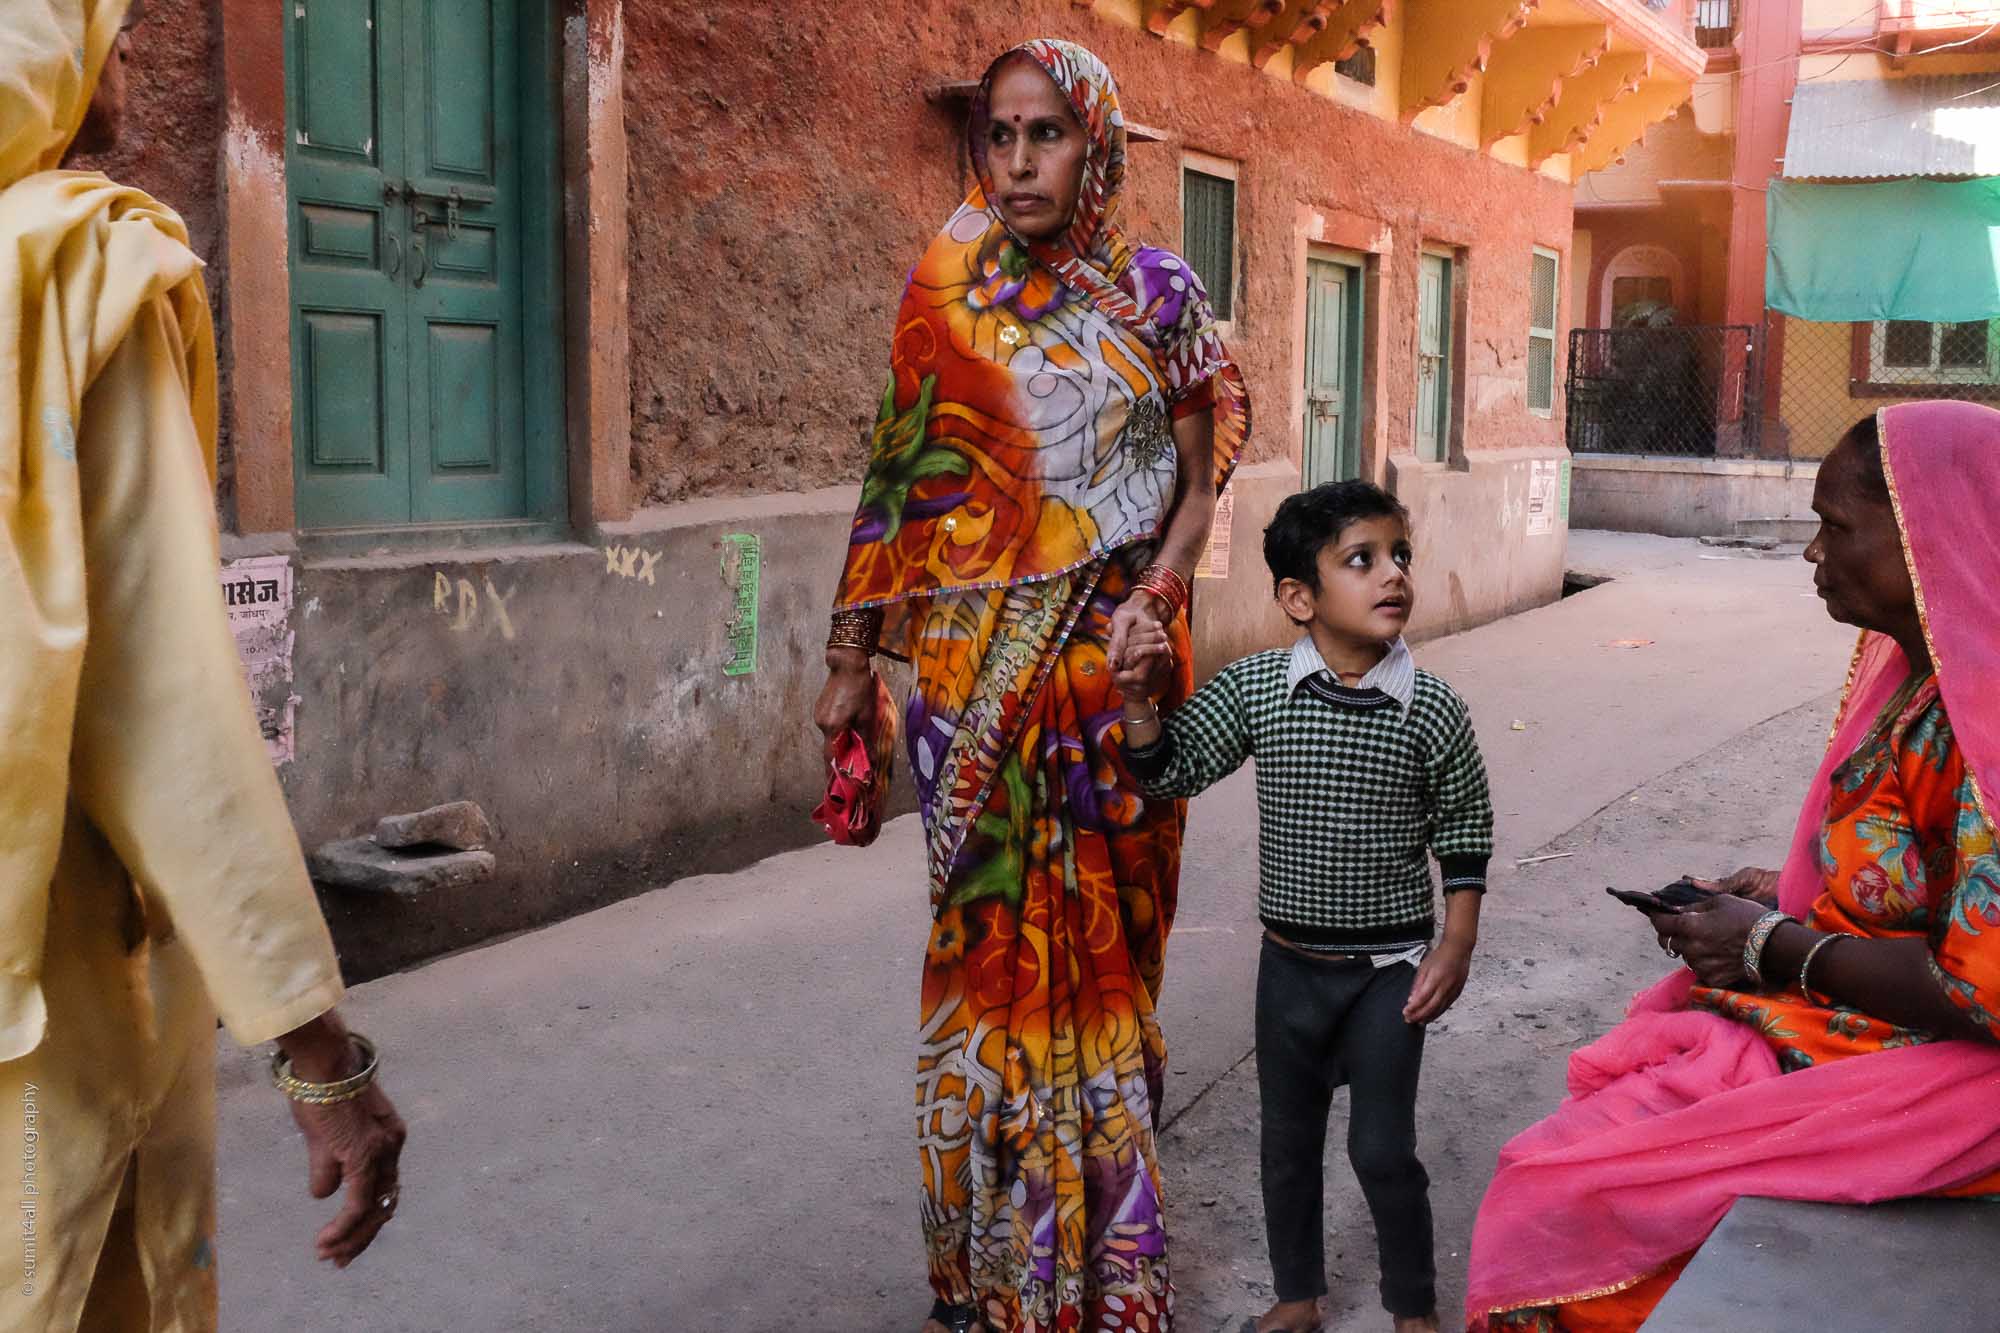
pixel 1141 612
pixel 1759 886
pixel 357 1143
pixel 847 699
pixel 1708 936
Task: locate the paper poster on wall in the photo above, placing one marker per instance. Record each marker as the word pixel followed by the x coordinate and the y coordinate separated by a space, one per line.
pixel 257 596
pixel 1542 484
pixel 1214 562
pixel 743 575
pixel 1562 507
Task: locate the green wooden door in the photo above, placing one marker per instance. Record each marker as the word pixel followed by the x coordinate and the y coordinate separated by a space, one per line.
pixel 1433 352
pixel 1333 318
pixel 407 165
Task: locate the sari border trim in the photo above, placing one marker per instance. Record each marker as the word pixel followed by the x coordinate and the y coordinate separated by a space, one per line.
pixel 1847 690
pixel 1917 588
pixel 1592 1295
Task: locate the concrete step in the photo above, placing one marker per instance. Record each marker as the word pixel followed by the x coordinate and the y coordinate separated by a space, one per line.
pixel 1784 529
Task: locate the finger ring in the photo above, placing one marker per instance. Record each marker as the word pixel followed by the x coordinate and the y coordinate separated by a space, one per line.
pixel 387 1201
pixel 1673 951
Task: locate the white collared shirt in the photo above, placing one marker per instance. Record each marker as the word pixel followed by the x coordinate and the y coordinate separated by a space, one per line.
pixel 1395 675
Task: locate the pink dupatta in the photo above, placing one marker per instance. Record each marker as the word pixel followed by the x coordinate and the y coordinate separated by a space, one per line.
pixel 1675 1113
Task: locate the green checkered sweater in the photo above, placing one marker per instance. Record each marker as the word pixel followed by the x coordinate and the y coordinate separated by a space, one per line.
pixel 1352 792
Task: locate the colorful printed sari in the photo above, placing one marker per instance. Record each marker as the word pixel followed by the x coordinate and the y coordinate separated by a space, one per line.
pixel 1023 468
pixel 1703 1094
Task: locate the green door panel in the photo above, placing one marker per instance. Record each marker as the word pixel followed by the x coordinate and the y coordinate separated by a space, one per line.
pixel 415 366
pixel 349 412
pixel 1332 440
pixel 1433 348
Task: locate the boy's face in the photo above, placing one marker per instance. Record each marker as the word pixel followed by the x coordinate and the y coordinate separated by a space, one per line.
pixel 1365 594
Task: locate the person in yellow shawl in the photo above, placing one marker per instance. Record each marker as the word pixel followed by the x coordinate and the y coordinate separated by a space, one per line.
pixel 149 874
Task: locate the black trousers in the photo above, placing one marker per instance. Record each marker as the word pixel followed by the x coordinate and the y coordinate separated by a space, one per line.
pixel 1321 1025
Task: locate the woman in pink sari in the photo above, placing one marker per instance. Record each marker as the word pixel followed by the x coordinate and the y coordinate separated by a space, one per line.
pixel 1834 1034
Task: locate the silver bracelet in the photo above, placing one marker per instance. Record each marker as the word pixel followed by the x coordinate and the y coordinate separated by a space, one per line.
pixel 1806 966
pixel 1753 945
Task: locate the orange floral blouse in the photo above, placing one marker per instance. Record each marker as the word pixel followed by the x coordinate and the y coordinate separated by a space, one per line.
pixel 1907 854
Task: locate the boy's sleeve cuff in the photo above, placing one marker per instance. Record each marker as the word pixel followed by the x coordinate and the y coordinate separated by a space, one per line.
pixel 1463 872
pixel 1150 763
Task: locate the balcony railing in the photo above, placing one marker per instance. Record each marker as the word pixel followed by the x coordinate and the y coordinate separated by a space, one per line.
pixel 1716 23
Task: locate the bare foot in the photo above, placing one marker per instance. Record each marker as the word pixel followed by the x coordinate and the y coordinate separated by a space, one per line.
pixel 1421 1324
pixel 1291 1317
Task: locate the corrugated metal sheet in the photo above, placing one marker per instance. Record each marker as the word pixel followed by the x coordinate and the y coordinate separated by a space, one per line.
pixel 1862 129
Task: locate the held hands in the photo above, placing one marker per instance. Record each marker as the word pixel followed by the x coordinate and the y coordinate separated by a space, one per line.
pixel 1140 655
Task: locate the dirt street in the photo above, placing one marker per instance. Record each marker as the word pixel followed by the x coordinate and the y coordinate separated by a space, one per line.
pixel 691 1110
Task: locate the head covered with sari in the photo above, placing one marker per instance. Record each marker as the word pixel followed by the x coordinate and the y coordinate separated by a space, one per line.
pixel 1026 429
pixel 80 257
pixel 1675 1113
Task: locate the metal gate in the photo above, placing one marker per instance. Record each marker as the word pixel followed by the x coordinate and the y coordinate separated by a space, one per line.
pixel 1691 391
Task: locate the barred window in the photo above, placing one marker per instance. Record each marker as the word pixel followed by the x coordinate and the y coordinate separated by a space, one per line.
pixel 1908 351
pixel 1208 241
pixel 1542 277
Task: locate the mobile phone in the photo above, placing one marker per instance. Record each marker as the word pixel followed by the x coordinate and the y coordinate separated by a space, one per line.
pixel 1681 893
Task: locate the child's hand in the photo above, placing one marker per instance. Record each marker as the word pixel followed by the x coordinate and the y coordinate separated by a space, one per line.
pixel 1144 667
pixel 1440 978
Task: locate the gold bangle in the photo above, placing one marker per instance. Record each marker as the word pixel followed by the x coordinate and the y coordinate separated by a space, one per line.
pixel 326 1094
pixel 860 629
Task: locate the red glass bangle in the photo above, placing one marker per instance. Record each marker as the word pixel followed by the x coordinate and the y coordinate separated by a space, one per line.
pixel 1166 585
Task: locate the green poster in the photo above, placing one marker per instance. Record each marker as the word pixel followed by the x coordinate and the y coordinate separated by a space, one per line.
pixel 742 574
pixel 1562 503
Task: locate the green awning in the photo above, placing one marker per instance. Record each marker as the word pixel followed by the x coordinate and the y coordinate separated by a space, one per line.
pixel 1907 249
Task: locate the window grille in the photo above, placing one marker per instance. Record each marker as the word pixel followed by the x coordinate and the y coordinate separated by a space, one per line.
pixel 1542 332
pixel 1208 240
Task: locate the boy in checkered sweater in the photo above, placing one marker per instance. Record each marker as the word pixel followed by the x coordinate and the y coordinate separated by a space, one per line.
pixel 1366 768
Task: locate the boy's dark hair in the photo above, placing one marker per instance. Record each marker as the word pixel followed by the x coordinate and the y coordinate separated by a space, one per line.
pixel 1312 519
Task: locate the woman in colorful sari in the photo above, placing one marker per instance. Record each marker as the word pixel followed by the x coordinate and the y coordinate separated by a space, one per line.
pixel 1835 1033
pixel 1059 417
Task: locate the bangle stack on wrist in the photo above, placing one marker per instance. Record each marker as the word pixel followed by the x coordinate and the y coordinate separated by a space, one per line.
pixel 327 1094
pixel 856 629
pixel 1753 945
pixel 1166 585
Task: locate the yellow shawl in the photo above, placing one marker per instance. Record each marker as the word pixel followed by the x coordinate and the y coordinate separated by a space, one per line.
pixel 86 266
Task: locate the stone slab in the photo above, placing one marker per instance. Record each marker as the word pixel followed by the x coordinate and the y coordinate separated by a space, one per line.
pixel 360 866
pixel 459 825
pixel 1829 1268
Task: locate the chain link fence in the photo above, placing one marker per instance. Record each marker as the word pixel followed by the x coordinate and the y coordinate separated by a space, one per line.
pixel 1829 376
pixel 1785 390
pixel 1677 391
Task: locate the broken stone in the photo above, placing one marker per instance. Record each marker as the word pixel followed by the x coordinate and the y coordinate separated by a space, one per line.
pixel 359 865
pixel 459 825
pixel 1742 543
